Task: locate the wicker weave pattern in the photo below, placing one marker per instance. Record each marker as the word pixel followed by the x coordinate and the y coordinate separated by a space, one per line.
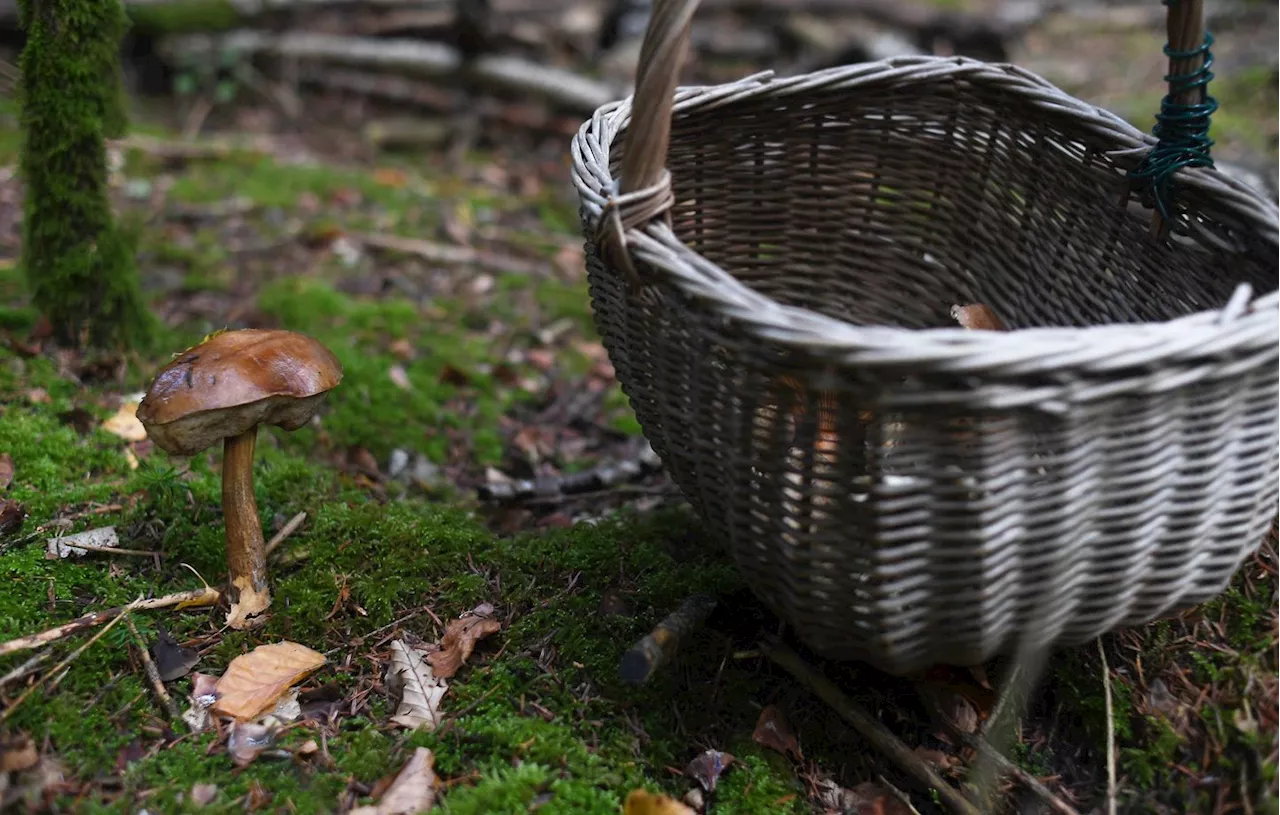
pixel 927 487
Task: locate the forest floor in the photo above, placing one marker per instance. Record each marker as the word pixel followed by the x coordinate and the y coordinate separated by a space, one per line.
pixel 461 370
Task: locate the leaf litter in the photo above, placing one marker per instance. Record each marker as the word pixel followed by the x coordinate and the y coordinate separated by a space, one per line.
pixel 413 791
pixel 460 640
pixel 420 689
pixel 255 681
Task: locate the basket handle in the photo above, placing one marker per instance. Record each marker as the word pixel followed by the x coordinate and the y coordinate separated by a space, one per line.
pixel 662 54
pixel 1182 124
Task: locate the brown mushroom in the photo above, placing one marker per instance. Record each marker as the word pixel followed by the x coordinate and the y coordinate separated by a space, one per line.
pixel 222 390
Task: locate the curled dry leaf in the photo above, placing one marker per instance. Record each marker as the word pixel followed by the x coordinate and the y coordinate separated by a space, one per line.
pixel 977 317
pixel 774 731
pixel 12 516
pixel 421 690
pixel 412 792
pixel 248 740
pixel 460 640
pixel 707 767
pixel 173 661
pixel 124 422
pixel 254 681
pixel 643 802
pixel 70 545
pixel 203 794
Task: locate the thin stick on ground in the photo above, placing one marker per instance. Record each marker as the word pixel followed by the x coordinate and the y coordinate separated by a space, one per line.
pixel 285 531
pixel 25 669
pixel 869 727
pixel 984 749
pixel 153 674
pixel 659 645
pixel 184 599
pixel 124 612
pixel 1111 732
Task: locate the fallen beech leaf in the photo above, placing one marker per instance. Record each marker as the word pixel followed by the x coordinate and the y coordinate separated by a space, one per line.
pixel 460 640
pixel 707 767
pixel 642 802
pixel 17 753
pixel 172 660
pixel 421 690
pixel 870 798
pixel 774 731
pixel 70 545
pixel 12 516
pixel 6 470
pixel 248 740
pixel 203 794
pixel 399 378
pixel 978 317
pixel 254 681
pixel 413 791
pixel 124 423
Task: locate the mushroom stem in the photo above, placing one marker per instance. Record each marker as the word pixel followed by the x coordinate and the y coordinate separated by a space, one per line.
pixel 246 550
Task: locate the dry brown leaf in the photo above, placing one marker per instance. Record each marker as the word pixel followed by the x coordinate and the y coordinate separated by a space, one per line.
pixel 71 545
pixel 642 802
pixel 871 798
pixel 248 740
pixel 18 753
pixel 38 396
pixel 254 681
pixel 12 516
pixel 421 690
pixel 978 317
pixel 124 423
pixel 203 794
pixel 413 791
pixel 707 767
pixel 774 731
pixel 400 378
pixel 6 470
pixel 460 640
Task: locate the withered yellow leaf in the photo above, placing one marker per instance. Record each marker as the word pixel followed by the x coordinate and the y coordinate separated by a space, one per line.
pixel 125 422
pixel 254 681
pixel 641 802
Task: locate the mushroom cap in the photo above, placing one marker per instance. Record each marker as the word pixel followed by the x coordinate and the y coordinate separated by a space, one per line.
pixel 234 381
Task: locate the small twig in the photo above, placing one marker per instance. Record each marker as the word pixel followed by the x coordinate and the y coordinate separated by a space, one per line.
pixel 124 611
pixel 1111 731
pixel 461 255
pixel 660 644
pixel 868 727
pixel 981 746
pixel 899 794
pixel 285 531
pixel 26 668
pixel 112 550
pixel 198 597
pixel 153 674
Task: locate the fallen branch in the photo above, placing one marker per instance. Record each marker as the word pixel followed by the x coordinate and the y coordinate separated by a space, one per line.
pixel 25 669
pixel 512 74
pixel 868 727
pixel 659 645
pixel 597 478
pixel 183 599
pixel 453 255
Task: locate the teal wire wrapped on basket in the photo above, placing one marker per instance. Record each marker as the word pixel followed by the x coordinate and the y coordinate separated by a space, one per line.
pixel 773 265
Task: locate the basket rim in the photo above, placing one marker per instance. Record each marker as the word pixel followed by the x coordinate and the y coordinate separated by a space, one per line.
pixel 1246 322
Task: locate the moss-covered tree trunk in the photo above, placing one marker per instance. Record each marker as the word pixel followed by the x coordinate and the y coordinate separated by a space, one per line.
pixel 79 264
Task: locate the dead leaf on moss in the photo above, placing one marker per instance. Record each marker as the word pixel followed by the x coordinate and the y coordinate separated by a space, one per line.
pixel 254 681
pixel 400 378
pixel 421 690
pixel 413 791
pixel 870 798
pixel 172 660
pixel 12 516
pixel 72 545
pixel 124 423
pixel 774 731
pixel 707 767
pixel 643 802
pixel 203 794
pixel 247 741
pixel 460 639
pixel 17 753
pixel 6 471
pixel 204 692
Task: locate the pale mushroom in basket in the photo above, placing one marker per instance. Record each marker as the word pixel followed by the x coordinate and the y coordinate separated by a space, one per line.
pixel 222 390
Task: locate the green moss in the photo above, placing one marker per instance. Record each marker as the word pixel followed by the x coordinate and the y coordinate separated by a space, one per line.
pixel 79 262
pixel 167 18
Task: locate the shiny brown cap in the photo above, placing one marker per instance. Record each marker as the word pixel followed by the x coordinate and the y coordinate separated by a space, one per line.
pixel 234 381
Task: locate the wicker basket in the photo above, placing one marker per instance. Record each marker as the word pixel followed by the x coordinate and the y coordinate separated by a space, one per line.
pixel 900 490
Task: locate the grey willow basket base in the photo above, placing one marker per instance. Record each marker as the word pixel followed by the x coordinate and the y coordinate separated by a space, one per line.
pixel 905 493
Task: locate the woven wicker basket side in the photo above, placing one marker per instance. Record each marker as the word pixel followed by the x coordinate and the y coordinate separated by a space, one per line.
pixel 902 492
